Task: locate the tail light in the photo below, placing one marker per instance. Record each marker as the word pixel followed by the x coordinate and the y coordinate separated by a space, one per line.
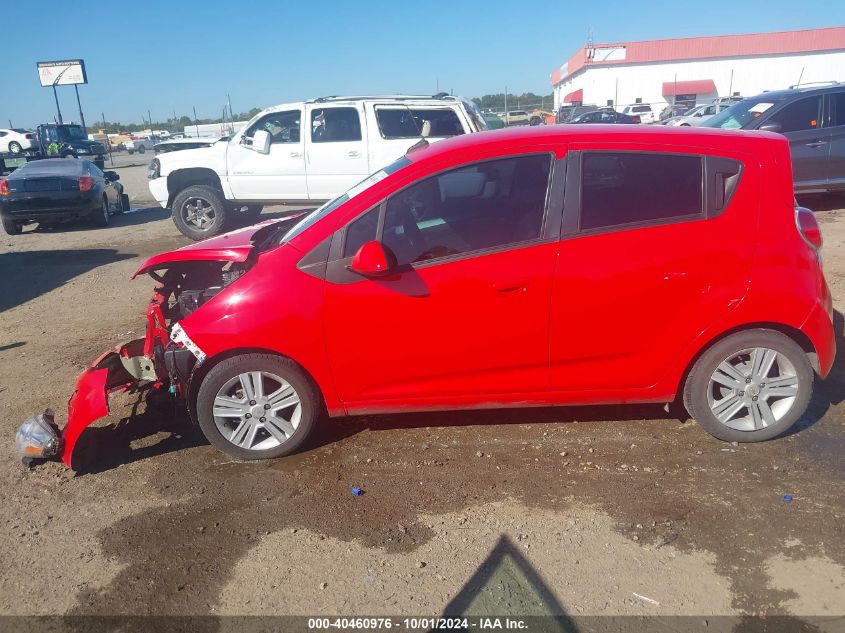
pixel 28 136
pixel 808 227
pixel 637 119
pixel 86 183
pixel 4 188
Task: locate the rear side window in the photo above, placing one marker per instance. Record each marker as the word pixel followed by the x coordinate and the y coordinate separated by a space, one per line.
pixel 412 123
pixel 619 188
pixel 803 114
pixel 838 102
pixel 333 125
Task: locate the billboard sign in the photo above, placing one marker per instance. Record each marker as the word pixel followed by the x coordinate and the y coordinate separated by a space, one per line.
pixel 62 73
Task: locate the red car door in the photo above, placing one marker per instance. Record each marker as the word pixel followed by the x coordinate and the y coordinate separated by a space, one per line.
pixel 464 320
pixel 653 258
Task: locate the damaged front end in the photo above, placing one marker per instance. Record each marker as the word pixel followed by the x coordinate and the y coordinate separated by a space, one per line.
pixel 164 359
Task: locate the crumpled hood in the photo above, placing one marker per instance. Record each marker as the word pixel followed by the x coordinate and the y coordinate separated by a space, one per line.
pixel 229 247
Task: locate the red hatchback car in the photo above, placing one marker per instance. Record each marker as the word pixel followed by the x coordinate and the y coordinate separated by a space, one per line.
pixel 523 267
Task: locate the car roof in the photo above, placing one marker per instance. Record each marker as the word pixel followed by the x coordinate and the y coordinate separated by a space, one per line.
pixel 53 167
pixel 800 90
pixel 341 100
pixel 543 136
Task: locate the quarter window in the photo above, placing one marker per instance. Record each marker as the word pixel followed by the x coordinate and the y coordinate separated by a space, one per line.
pixel 486 205
pixel 412 123
pixel 333 125
pixel 804 114
pixel 360 232
pixel 619 188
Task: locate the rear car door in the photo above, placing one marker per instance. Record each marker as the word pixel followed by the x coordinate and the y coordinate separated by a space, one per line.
pixel 644 265
pixel 279 175
pixel 335 150
pixel 809 142
pixel 465 318
pixel 836 154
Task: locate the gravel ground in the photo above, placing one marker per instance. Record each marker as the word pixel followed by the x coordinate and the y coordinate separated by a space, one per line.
pixel 599 510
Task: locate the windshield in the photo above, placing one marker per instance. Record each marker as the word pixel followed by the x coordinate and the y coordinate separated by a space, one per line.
pixel 72 133
pixel 318 214
pixel 741 115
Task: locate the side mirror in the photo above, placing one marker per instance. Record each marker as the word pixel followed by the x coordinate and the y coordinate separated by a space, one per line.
pixel 261 141
pixel 771 127
pixel 373 260
pixel 111 176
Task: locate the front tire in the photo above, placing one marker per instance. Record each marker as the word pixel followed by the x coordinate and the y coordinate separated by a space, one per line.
pixel 750 386
pixel 200 212
pixel 130 151
pixel 257 406
pixel 11 227
pixel 142 149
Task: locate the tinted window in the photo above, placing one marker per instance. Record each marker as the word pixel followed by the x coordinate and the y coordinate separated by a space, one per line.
pixel 803 114
pixel 838 102
pixel 622 188
pixel 283 127
pixel 410 123
pixel 483 206
pixel 361 231
pixel 332 125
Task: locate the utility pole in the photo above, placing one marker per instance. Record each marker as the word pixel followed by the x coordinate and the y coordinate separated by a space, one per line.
pixel 506 105
pixel 150 117
pixel 196 123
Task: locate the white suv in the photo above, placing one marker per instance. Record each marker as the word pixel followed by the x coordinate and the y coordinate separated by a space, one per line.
pixel 641 110
pixel 299 153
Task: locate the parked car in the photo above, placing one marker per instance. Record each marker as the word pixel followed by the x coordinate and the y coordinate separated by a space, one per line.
pixel 696 116
pixel 140 144
pixel 493 122
pixel 541 117
pixel 381 300
pixel 516 117
pixel 672 111
pixel 812 118
pixel 69 140
pixel 17 140
pixel 59 189
pixel 605 116
pixel 341 139
pixel 642 110
pixel 178 144
pixel 567 112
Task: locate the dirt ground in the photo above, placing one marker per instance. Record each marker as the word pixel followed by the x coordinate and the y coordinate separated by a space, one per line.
pixel 576 511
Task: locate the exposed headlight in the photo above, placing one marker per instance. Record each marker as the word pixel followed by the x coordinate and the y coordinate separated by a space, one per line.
pixel 38 437
pixel 82 150
pixel 178 336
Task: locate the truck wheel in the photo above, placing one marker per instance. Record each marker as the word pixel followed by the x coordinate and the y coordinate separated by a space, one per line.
pixel 535 120
pixel 244 215
pixel 200 212
pixel 11 227
pixel 142 149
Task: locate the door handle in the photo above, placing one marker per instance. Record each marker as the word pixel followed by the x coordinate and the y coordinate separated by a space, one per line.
pixel 354 153
pixel 816 144
pixel 511 286
pixel 296 154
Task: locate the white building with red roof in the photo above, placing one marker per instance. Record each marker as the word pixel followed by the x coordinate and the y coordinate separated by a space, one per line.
pixel 697 70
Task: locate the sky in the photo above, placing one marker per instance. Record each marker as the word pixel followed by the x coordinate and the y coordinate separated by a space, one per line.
pixel 171 56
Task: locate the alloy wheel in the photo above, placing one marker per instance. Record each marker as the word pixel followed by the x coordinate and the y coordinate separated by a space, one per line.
pixel 198 212
pixel 257 411
pixel 752 389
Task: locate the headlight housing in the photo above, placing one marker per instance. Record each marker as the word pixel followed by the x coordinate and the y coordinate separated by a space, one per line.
pixel 38 437
pixel 180 337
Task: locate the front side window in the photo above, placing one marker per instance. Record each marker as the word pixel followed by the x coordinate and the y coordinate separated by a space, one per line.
pixel 804 114
pixel 333 125
pixel 482 206
pixel 283 127
pixel 619 188
pixel 396 123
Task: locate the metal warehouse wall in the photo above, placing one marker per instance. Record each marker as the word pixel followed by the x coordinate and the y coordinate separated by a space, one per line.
pixel 751 76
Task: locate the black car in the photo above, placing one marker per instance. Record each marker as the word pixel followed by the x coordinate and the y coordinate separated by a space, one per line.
pixel 812 118
pixel 59 189
pixel 605 116
pixel 568 112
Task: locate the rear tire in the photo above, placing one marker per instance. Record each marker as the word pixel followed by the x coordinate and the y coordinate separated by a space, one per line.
pixel 124 203
pixel 724 381
pixel 200 212
pixel 142 149
pixel 100 217
pixel 15 147
pixel 130 151
pixel 249 436
pixel 11 227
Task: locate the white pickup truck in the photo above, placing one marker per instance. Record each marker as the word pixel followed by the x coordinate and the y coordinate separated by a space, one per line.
pixel 299 153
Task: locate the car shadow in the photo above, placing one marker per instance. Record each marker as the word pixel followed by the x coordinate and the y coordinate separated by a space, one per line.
pixel 821 201
pixel 135 216
pixel 29 274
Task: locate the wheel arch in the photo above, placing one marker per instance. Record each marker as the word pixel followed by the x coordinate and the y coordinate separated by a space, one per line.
pixel 793 333
pixel 181 179
pixel 200 372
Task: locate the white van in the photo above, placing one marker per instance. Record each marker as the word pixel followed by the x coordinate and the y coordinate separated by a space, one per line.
pixel 300 153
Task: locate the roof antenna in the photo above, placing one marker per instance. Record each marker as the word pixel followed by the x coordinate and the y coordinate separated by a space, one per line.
pixel 800 76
